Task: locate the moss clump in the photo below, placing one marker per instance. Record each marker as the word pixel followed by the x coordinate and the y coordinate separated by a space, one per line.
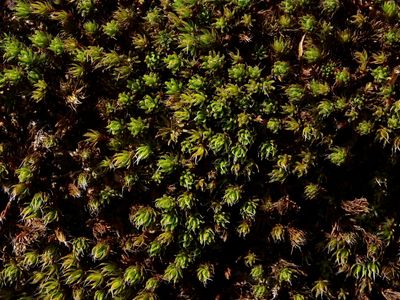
pixel 199 149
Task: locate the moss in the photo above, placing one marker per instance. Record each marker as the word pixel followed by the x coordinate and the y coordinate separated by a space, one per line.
pixel 195 149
